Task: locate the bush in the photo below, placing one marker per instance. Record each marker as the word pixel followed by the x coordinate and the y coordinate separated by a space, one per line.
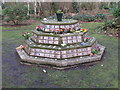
pixel 16 14
pixel 107 25
pixel 116 11
pixel 75 6
pixel 100 16
pixel 84 17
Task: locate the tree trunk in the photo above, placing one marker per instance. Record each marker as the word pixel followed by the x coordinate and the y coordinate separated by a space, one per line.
pixel 28 4
pixel 38 8
pixel 35 7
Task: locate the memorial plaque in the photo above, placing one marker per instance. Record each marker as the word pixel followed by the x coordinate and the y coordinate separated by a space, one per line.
pixel 89 51
pixel 79 37
pixel 64 42
pixel 55 42
pixel 37 50
pixel 74 37
pixel 56 38
pixel 47 55
pixel 69 41
pixel 89 48
pixel 42 54
pixel 32 50
pixel 74 50
pixel 80 50
pixel 40 37
pixel 52 26
pixel 51 38
pixel 64 56
pixel 84 49
pixel 62 26
pixel 74 54
pixel 79 40
pixel 47 29
pixel 40 41
pixel 52 51
pixel 79 54
pixel 38 54
pixel 32 53
pixel 56 26
pixel 57 56
pixel 69 37
pixel 52 56
pixel 45 37
pixel 63 52
pixel 51 42
pixel 75 41
pixel 69 55
pixel 64 38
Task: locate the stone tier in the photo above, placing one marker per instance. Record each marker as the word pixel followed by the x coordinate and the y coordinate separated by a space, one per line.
pixel 48 25
pixel 40 37
pixel 61 64
pixel 59 52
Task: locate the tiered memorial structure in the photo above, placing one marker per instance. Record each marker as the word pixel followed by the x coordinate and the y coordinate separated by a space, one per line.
pixel 60 43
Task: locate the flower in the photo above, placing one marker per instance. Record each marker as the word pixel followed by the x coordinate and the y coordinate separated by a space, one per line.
pixel 91 54
pixel 95 50
pixel 83 43
pixel 38 27
pixel 20 47
pixel 52 30
pixel 60 30
pixel 87 37
pixel 83 30
pixel 26 35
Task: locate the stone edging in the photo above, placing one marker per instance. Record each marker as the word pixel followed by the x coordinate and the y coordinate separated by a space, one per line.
pixel 61 63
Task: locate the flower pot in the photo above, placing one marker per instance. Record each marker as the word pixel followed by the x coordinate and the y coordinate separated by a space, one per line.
pixel 59 16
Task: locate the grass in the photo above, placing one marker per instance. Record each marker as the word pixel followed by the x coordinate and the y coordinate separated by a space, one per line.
pixel 19 27
pixel 22 76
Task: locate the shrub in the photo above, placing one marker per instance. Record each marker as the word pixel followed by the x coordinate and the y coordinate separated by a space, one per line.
pixel 116 11
pixel 107 25
pixel 75 6
pixel 100 16
pixel 77 17
pixel 16 13
pixel 84 17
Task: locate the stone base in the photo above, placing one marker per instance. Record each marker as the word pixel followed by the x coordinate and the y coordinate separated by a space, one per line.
pixel 60 63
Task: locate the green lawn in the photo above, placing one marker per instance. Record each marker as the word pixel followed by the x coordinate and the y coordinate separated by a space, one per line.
pixel 17 75
pixel 19 27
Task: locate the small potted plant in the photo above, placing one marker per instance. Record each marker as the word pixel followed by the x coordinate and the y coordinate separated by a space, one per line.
pixel 26 35
pixel 59 15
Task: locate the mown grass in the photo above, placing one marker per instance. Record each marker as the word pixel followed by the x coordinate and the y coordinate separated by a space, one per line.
pixel 19 27
pixel 97 76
